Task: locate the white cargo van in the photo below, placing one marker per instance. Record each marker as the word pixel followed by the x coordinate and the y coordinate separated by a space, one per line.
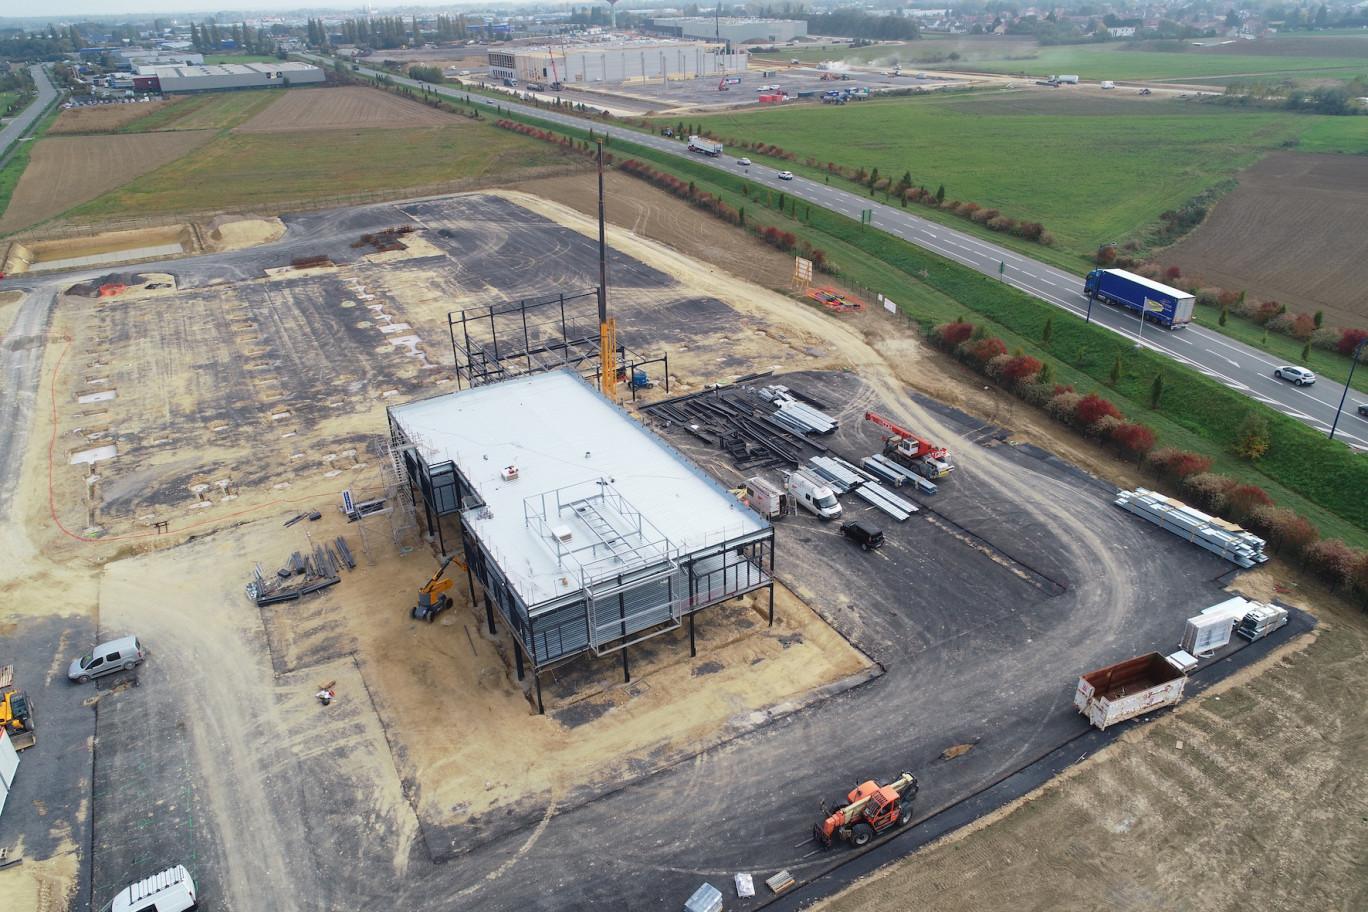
pixel 172 890
pixel 1108 84
pixel 813 495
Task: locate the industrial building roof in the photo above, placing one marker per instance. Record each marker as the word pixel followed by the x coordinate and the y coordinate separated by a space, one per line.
pixel 575 490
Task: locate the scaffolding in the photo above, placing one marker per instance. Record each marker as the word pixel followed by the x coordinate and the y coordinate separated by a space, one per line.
pixel 390 513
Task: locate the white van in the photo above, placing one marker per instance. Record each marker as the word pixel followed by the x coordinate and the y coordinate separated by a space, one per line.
pixel 813 495
pixel 172 890
pixel 107 658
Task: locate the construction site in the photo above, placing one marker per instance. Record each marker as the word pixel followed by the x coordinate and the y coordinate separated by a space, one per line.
pixel 586 569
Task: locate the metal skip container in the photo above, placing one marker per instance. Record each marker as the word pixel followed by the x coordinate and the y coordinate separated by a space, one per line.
pixel 1128 689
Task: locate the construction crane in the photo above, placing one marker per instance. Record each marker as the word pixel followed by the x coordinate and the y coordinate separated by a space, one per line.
pixel 913 452
pixel 870 808
pixel 429 607
pixel 722 85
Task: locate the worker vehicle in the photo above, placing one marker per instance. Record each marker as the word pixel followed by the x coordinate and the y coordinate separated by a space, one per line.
pixel 864 534
pixel 765 498
pixel 107 658
pixel 432 598
pixel 705 146
pixel 786 175
pixel 1144 92
pixel 812 494
pixel 1169 307
pixel 870 808
pixel 1067 80
pixel 172 890
pixel 912 452
pixel 744 162
pixel 1108 84
pixel 16 717
pixel 1298 375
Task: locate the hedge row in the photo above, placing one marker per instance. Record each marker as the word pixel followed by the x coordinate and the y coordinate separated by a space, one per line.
pixel 1330 560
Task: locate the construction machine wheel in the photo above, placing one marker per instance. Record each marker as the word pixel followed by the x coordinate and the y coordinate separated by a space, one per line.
pixel 905 813
pixel 861 833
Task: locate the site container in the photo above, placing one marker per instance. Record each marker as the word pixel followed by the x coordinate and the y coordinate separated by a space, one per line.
pixel 1128 689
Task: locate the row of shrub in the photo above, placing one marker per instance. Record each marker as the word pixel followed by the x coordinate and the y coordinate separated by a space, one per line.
pixel 1098 419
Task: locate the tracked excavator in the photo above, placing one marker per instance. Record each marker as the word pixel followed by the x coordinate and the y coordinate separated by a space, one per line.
pixel 870 808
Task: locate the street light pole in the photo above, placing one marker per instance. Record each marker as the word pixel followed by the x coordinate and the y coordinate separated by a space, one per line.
pixel 1352 364
pixel 1091 298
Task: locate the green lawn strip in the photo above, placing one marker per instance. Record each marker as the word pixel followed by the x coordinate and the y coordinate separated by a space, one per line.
pixel 14 168
pixel 206 112
pixel 236 170
pixel 1302 470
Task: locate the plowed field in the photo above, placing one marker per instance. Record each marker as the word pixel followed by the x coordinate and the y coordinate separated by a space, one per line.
pixel 340 108
pixel 107 118
pixel 66 171
pixel 1293 233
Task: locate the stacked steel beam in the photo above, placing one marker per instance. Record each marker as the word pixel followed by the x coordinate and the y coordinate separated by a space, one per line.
pixel 1216 535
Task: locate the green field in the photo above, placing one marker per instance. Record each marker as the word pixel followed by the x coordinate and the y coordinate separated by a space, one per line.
pixel 1091 173
pixel 237 170
pixel 1095 62
pixel 207 112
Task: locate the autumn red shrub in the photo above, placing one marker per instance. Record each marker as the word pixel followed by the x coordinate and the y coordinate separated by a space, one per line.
pixel 1350 339
pixel 985 350
pixel 1021 368
pixel 1092 407
pixel 952 334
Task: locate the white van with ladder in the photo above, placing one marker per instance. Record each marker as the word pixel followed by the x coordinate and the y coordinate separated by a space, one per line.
pixel 813 495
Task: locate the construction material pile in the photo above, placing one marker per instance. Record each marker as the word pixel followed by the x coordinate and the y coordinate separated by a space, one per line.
pixel 302 574
pixel 1231 542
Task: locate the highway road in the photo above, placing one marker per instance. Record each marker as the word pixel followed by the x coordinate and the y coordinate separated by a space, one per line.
pixel 1240 367
pixel 17 127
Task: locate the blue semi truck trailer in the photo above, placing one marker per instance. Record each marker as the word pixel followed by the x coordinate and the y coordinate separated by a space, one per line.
pixel 1167 306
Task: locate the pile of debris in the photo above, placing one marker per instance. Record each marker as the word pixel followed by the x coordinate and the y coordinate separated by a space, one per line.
pixel 758 428
pixel 385 240
pixel 302 574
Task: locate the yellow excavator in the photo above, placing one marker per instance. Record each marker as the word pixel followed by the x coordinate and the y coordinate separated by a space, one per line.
pixel 432 598
pixel 16 715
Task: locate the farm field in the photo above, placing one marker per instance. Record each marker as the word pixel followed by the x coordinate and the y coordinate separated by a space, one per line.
pixel 1293 231
pixel 1080 172
pixel 66 171
pixel 343 108
pixel 1118 62
pixel 105 118
pixel 208 112
pixel 271 168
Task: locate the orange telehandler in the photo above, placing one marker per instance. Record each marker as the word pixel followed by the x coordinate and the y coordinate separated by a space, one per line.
pixel 870 808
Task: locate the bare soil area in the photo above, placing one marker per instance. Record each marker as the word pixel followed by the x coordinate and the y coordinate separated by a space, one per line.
pixel 65 171
pixel 106 118
pixel 1292 232
pixel 342 108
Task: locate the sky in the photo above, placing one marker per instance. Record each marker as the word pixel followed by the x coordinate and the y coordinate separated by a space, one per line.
pixel 70 10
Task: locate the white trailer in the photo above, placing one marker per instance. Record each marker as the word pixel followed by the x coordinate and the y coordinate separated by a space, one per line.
pixel 705 146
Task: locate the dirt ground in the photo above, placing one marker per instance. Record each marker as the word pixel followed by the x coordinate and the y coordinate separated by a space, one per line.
pixel 1300 758
pixel 105 118
pixel 1291 232
pixel 65 171
pixel 341 108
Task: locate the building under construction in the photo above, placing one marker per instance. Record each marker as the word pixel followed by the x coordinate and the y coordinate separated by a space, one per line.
pixel 585 532
pixel 616 62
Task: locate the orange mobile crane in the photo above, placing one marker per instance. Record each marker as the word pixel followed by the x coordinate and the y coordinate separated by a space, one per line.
pixel 908 450
pixel 870 808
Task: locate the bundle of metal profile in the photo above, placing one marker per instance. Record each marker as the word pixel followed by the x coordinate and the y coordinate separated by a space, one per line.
pixel 1244 549
pixel 841 476
pixel 891 471
pixel 805 417
pixel 880 497
pixel 1261 621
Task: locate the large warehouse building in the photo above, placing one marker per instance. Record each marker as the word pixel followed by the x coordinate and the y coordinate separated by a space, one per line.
pixel 619 62
pixel 226 77
pixel 737 31
pixel 585 531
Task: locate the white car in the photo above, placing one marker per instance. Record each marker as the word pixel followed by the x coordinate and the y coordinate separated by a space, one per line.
pixel 1298 375
pixel 743 161
pixel 786 175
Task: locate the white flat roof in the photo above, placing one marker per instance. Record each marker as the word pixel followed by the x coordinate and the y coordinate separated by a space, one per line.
pixel 569 444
